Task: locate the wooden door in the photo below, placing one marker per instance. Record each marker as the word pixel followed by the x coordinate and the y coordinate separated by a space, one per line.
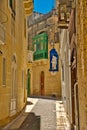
pixel 42 83
pixel 73 81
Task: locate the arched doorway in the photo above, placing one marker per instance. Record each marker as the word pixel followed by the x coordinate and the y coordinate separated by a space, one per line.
pixel 42 82
pixel 28 82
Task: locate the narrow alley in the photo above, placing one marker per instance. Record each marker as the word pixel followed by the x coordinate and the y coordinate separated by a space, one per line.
pixel 43 64
pixel 41 114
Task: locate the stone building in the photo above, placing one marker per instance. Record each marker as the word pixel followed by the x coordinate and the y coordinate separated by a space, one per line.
pixel 65 9
pixel 42 39
pixel 13 93
pixel 73 61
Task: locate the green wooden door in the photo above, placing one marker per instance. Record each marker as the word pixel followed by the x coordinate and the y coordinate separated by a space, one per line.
pixel 28 83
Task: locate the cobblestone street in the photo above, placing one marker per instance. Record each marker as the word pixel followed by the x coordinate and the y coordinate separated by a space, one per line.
pixel 41 114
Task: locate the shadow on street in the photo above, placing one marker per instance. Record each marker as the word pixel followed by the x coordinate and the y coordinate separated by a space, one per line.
pixel 32 122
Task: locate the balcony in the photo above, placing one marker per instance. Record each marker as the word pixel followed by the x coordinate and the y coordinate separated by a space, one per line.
pixel 28 7
pixel 40 55
pixel 64 9
pixel 2 35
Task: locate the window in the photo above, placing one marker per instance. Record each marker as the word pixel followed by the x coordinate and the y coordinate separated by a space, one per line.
pixel 41 45
pixel 4 72
pixel 41 41
pixel 44 45
pixel 38 46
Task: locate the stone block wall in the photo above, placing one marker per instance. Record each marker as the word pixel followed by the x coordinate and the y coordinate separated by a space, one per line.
pixel 82 61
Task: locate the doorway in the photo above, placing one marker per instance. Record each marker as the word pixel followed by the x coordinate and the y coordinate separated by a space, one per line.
pixel 42 82
pixel 28 82
pixel 73 81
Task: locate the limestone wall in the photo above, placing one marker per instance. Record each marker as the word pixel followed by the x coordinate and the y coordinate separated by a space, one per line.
pixel 13 92
pixel 82 61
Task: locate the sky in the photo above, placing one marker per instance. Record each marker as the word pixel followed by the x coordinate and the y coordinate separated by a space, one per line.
pixel 43 6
